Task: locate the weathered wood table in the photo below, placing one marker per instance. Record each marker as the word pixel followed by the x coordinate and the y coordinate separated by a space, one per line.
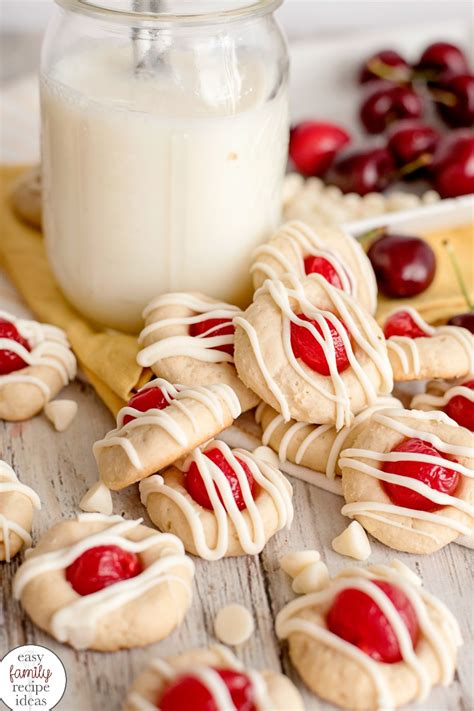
pixel 61 467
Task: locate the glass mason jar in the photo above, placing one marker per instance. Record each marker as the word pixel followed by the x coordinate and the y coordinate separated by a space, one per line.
pixel 164 145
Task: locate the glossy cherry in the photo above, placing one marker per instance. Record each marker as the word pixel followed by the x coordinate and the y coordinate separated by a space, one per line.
pixel 403 265
pixel 386 64
pixel 10 361
pixel 453 164
pixel 196 488
pixel 355 617
pixel 460 409
pixel 306 347
pixel 465 320
pixel 454 99
pixel 99 567
pixel 386 103
pixel 210 327
pixel 362 171
pixel 315 264
pixel 314 144
pixel 440 57
pixel 437 476
pixel 188 693
pixel 412 144
pixel 401 323
pixel 147 399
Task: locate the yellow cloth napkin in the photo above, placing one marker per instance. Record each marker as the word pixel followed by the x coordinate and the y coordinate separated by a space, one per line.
pixel 107 359
pixel 443 298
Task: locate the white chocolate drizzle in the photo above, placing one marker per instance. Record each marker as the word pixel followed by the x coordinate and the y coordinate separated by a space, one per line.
pixel 76 622
pixel 9 483
pixel 210 680
pixel 203 347
pixel 49 347
pixel 289 622
pixel 393 419
pixel 407 350
pixel 217 398
pixel 249 527
pixel 447 391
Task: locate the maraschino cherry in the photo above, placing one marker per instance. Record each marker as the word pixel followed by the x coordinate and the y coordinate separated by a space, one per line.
pixel 362 171
pixel 210 327
pixel 313 145
pixel 195 485
pixel 453 164
pixel 441 57
pixel 386 103
pixel 454 99
pixel 403 265
pixel 460 409
pixel 10 361
pixel 147 399
pixel 188 693
pixel 412 144
pixel 355 617
pixel 306 347
pixel 437 476
pixel 315 264
pixel 386 64
pixel 401 323
pixel 99 567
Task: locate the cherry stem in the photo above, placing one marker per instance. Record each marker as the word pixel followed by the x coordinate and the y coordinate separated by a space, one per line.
pixel 423 160
pixel 457 270
pixel 387 71
pixel 443 97
pixel 367 238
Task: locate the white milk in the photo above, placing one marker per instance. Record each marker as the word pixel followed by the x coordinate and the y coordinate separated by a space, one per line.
pixel 148 190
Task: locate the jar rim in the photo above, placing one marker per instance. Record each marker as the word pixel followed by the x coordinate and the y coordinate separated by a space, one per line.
pixel 102 9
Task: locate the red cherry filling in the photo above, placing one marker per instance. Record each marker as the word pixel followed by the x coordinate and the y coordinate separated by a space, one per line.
pixel 10 361
pixel 209 328
pixel 195 484
pixel 147 399
pixel 99 567
pixel 401 323
pixel 435 476
pixel 187 692
pixel 318 265
pixel 355 617
pixel 306 347
pixel 461 409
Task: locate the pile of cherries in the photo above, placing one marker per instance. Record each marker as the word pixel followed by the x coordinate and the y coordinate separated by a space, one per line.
pixel 394 104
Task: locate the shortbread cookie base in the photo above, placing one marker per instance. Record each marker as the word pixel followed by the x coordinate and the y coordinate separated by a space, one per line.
pixel 150 685
pixel 16 507
pixel 145 620
pixel 340 680
pixel 440 356
pixel 169 517
pixel 23 400
pixel 358 486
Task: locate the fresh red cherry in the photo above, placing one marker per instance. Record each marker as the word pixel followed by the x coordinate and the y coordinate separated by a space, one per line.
pixel 454 99
pixel 401 323
pixel 10 361
pixel 315 264
pixel 465 320
pixel 306 347
pixel 386 64
pixel 362 171
pixel 147 399
pixel 188 693
pixel 436 476
pixel 196 488
pixel 460 409
pixel 355 617
pixel 412 144
pixel 386 103
pixel 209 328
pixel 314 144
pixel 453 164
pixel 403 265
pixel 99 567
pixel 441 57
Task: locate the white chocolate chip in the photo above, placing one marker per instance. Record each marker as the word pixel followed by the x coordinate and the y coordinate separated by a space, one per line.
pixel 233 624
pixel 312 578
pixel 97 500
pixel 406 572
pixel 267 455
pixel 293 563
pixel 61 413
pixel 353 542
